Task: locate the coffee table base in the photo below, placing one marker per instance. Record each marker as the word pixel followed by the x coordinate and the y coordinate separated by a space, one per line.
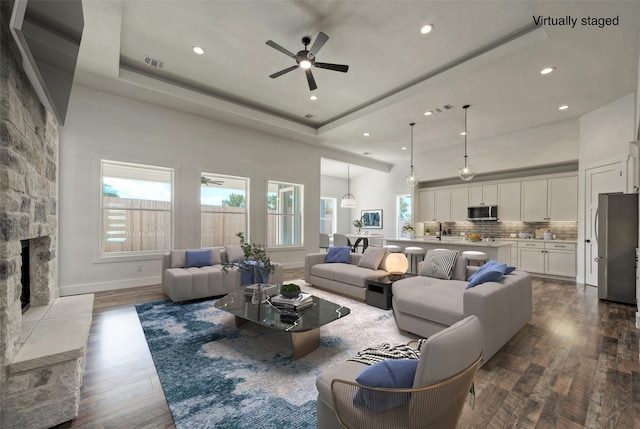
pixel 302 343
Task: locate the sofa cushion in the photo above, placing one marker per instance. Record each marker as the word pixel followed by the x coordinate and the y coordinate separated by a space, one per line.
pixel 428 298
pixel 338 254
pixel 439 264
pixel 356 276
pixel 234 253
pixel 372 257
pixel 215 256
pixel 326 271
pixel 460 268
pixel 197 258
pixel 393 374
pixel 489 272
pixel 177 259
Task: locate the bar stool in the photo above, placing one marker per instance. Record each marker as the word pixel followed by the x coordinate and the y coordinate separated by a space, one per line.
pixel 392 248
pixel 475 257
pixel 412 253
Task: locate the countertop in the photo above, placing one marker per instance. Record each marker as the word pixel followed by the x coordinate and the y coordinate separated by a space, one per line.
pixel 494 242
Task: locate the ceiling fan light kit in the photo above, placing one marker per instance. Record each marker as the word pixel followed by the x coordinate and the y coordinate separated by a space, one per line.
pixel 466 171
pixel 306 59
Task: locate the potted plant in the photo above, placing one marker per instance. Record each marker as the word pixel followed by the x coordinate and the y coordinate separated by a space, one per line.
pixel 255 258
pixel 427 231
pixel 290 290
pixel 407 230
pixel 358 224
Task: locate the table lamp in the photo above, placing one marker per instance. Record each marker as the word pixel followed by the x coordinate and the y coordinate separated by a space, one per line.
pixel 397 264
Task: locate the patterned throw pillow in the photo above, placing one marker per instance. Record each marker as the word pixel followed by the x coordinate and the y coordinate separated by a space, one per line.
pixel 439 264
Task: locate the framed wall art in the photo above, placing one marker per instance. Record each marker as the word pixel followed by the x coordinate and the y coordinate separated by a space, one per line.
pixel 371 219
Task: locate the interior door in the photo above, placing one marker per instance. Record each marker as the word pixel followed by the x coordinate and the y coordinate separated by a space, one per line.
pixel 603 179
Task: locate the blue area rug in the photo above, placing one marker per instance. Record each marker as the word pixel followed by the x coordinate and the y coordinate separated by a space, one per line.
pixel 215 375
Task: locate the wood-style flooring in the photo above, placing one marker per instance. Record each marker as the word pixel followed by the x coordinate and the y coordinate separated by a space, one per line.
pixel 574 365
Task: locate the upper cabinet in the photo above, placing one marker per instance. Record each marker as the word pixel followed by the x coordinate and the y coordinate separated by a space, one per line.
pixel 443 205
pixel 509 201
pixel 459 204
pixel 553 199
pixel 427 212
pixel 485 195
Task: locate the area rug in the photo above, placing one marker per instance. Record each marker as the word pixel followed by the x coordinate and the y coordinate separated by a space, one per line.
pixel 215 375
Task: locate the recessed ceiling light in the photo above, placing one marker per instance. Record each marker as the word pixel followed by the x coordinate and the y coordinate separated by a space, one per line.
pixel 547 70
pixel 403 148
pixel 313 97
pixel 563 107
pixel 463 133
pixel 366 134
pixel 428 113
pixel 426 29
pixel 198 50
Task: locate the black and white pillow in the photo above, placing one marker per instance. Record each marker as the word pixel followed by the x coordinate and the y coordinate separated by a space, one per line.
pixel 439 263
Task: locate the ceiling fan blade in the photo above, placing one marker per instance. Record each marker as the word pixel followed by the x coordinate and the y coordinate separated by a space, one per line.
pixel 321 39
pixel 311 80
pixel 277 47
pixel 281 72
pixel 336 67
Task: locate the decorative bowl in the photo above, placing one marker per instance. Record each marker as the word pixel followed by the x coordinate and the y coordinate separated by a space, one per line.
pixel 523 235
pixel 475 237
pixel 290 293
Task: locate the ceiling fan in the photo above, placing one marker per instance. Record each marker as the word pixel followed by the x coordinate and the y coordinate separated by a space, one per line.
pixel 208 181
pixel 307 59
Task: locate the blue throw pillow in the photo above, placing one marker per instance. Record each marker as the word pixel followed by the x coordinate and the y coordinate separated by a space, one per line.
pixel 392 373
pixel 487 265
pixel 339 254
pixel 509 269
pixel 197 258
pixel 491 274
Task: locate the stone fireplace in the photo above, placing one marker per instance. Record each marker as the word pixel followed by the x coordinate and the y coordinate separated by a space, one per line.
pixel 40 373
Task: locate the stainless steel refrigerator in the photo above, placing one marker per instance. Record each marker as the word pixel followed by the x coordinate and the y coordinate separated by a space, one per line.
pixel 617 235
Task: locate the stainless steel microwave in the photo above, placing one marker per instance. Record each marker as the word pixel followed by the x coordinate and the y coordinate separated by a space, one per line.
pixel 482 213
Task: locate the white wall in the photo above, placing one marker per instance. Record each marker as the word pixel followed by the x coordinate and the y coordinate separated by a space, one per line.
pixel 334 187
pixel 104 126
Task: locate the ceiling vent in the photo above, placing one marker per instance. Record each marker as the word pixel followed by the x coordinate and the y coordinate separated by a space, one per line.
pixel 308 116
pixel 153 62
pixel 447 107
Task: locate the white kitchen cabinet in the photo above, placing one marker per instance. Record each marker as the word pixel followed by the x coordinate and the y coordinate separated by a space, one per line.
pixel 531 257
pixel 459 204
pixel 485 195
pixel 552 258
pixel 550 199
pixel 509 201
pixel 427 211
pixel 443 205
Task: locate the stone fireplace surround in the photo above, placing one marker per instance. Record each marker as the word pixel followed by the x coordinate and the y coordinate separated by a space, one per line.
pixel 42 351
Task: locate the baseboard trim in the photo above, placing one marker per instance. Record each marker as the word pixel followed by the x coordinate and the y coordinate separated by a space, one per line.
pixel 79 289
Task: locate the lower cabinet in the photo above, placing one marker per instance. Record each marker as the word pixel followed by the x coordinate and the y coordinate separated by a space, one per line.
pixel 552 258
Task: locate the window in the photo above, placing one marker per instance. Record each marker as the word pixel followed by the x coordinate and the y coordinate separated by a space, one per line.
pixel 404 212
pixel 137 208
pixel 328 215
pixel 284 208
pixel 223 209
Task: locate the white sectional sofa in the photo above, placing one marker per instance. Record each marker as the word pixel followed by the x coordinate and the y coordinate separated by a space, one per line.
pixel 183 284
pixel 425 305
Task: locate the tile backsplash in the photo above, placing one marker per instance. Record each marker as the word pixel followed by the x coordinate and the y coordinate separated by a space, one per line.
pixel 562 230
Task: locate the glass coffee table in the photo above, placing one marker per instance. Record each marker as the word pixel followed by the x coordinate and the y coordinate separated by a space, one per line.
pixel 303 326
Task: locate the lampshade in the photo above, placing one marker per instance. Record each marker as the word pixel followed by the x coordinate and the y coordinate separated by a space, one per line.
pixel 466 171
pixel 396 263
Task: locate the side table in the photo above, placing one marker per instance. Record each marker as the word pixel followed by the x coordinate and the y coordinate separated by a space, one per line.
pixel 379 293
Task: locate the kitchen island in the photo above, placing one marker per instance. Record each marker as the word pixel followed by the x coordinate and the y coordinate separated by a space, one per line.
pixel 496 250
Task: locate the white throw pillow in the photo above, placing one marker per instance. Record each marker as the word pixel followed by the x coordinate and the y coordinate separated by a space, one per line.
pixel 372 257
pixel 234 253
pixel 178 259
pixel 439 264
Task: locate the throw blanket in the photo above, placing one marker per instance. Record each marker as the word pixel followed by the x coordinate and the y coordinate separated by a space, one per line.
pixel 373 355
pixel 250 273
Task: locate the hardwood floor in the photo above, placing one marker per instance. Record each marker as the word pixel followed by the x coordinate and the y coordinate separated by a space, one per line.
pixel 576 364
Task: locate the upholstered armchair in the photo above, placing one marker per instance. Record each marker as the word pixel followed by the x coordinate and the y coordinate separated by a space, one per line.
pixel 441 385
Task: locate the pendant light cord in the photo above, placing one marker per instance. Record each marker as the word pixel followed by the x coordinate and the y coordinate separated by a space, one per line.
pixel 465 107
pixel 412 125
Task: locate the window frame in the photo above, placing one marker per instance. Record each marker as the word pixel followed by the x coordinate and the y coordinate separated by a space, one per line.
pixel 135 254
pixel 279 223
pixel 399 220
pixel 334 216
pixel 247 211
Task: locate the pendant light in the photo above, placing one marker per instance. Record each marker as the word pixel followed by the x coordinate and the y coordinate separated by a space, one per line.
pixel 466 172
pixel 412 179
pixel 348 201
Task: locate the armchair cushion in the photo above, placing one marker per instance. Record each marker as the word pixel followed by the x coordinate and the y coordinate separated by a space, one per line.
pixel 338 254
pixel 391 373
pixel 197 258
